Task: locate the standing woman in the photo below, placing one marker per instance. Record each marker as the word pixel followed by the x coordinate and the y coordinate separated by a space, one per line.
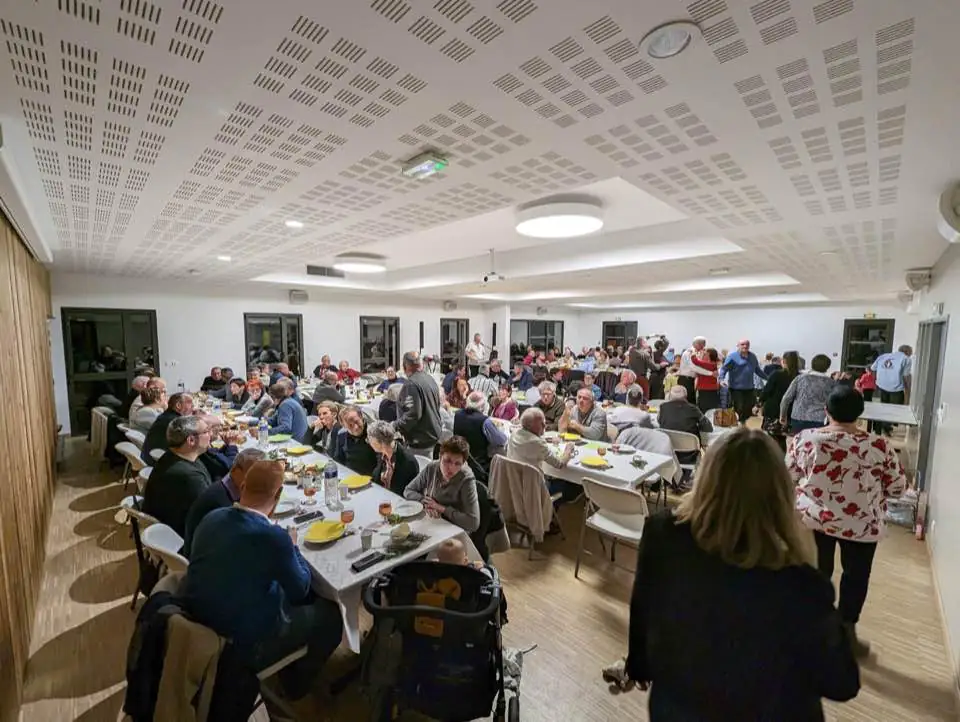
pixel 844 478
pixel 772 395
pixel 659 370
pixel 769 644
pixel 708 387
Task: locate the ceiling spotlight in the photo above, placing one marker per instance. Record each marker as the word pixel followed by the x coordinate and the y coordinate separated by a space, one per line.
pixel 828 254
pixel 225 259
pixel 293 224
pixel 719 271
pixel 669 39
pixel 355 262
pixel 560 220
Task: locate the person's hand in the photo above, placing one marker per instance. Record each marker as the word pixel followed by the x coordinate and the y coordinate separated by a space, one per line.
pixel 292 531
pixel 433 508
pixel 783 420
pixel 756 410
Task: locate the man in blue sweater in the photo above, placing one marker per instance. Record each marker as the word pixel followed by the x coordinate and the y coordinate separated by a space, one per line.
pixel 290 417
pixel 248 581
pixel 737 372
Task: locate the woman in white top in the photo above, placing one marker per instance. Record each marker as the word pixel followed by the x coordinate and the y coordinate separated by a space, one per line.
pixel 154 403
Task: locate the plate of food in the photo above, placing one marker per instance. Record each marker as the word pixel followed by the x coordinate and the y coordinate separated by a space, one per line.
pixel 622 449
pixel 408 509
pixel 595 462
pixel 324 532
pixel 298 450
pixel 570 437
pixel 356 481
pixel 277 438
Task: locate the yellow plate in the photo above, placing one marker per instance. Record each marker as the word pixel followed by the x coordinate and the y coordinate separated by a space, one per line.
pixel 321 532
pixel 594 461
pixel 298 450
pixel 570 437
pixel 232 412
pixel 356 481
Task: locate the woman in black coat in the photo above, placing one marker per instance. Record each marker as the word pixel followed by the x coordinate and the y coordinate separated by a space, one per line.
pixel 396 464
pixel 729 619
pixel 772 394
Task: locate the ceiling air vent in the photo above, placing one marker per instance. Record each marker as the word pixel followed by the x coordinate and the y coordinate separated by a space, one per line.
pixel 325 271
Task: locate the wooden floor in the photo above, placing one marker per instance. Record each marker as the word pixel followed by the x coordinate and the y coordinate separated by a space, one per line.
pixel 84 623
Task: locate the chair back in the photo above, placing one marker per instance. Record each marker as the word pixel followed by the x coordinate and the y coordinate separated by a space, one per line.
pixel 143 476
pixel 137 438
pixel 98 429
pixel 575 375
pixel 163 541
pixel 422 462
pixel 607 381
pixel 522 495
pixel 155 454
pixel 623 505
pixel 682 441
pixel 131 453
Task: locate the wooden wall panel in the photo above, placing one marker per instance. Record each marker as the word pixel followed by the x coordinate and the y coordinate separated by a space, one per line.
pixel 27 453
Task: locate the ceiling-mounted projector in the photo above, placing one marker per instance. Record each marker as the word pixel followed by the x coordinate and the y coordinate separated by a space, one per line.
pixel 948 218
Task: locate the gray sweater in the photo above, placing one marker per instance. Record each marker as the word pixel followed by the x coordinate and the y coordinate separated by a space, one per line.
pixel 808 393
pixel 459 495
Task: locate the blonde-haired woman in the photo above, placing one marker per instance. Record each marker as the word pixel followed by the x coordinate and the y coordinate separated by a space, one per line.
pixel 729 619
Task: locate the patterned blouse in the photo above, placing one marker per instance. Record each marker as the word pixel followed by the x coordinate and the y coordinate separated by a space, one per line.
pixel 843 482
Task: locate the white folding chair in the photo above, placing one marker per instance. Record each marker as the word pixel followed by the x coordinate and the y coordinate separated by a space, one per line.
pixel 165 543
pixel 124 428
pixel 139 521
pixel 98 430
pixel 277 707
pixel 131 453
pixel 143 476
pixel 422 462
pixel 683 442
pixel 613 511
pixel 504 473
pixel 155 454
pixel 137 438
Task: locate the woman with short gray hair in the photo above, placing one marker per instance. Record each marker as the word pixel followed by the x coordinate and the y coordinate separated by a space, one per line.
pixel 396 464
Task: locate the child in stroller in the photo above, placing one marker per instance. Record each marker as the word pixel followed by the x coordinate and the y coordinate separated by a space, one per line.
pixel 436 645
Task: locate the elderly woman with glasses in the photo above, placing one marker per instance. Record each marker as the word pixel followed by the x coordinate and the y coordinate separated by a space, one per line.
pixel 396 464
pixel 351 448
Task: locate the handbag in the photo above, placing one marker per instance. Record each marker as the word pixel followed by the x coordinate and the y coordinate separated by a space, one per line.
pixel 725 417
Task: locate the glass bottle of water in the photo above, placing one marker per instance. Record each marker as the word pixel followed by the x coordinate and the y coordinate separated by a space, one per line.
pixel 263 435
pixel 331 485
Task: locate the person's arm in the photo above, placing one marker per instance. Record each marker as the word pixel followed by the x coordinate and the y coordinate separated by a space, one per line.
pixel 409 408
pixel 557 461
pixel 415 488
pixel 467 517
pixel 493 433
pixel 768 387
pixel 282 422
pixel 340 447
pixel 289 566
pixel 757 370
pixel 725 367
pixel 703 422
pixel 788 398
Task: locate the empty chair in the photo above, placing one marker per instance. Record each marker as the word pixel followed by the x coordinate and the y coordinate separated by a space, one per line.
pixel 685 445
pixel 155 454
pixel 98 430
pixel 136 438
pixel 165 543
pixel 138 522
pixel 612 511
pixel 521 493
pixel 131 453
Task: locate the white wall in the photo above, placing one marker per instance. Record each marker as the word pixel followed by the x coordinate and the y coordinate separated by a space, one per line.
pixel 809 330
pixel 943 525
pixel 199 327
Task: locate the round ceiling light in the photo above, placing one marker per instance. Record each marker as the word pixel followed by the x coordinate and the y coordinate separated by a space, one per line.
pixel 669 39
pixel 293 224
pixel 559 220
pixel 360 263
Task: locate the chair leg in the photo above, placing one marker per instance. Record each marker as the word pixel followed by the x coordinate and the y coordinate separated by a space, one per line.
pixel 563 536
pixel 613 550
pixel 136 594
pixel 583 533
pixel 602 545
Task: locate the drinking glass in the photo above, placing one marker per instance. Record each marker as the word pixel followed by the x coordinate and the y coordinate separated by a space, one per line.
pixel 346 515
pixel 309 490
pixel 602 450
pixel 385 509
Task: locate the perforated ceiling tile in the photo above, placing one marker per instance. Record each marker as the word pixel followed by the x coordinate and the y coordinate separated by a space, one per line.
pixel 756 96
pixel 545 173
pixel 719 28
pixel 343 196
pixel 194 29
pixel 28 57
pixel 894 56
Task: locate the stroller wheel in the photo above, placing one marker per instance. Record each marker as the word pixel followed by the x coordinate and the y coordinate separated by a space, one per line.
pixel 513 710
pixel 498 715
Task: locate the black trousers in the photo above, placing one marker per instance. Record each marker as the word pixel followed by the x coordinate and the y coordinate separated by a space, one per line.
pixel 708 399
pixel 743 402
pixel 856 560
pixel 888 397
pixel 472 370
pixel 689 383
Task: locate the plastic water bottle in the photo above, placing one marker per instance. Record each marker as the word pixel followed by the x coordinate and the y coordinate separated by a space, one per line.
pixel 263 435
pixel 331 485
pixel 216 405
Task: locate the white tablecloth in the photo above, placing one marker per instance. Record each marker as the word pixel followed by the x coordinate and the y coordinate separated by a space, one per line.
pixel 889 413
pixel 333 577
pixel 623 472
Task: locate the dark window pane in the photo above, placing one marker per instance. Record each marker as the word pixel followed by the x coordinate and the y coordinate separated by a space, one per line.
pixel 97 343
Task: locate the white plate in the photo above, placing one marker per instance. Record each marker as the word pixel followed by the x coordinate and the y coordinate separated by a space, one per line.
pixel 285 506
pixel 625 449
pixel 407 509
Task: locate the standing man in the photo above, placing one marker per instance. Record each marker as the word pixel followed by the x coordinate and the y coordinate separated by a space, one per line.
pixel 894 372
pixel 477 353
pixel 418 407
pixel 689 371
pixel 741 367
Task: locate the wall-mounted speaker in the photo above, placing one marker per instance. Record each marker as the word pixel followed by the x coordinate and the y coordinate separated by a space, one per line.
pixel 449 305
pixel 298 297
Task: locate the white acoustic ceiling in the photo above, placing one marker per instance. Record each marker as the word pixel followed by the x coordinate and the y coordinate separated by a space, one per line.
pixel 803 139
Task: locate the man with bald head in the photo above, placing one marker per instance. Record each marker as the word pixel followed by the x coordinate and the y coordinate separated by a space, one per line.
pixel 248 581
pixel 737 371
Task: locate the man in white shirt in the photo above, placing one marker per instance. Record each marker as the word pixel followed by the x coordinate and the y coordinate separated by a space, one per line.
pixel 689 370
pixel 477 353
pixel 631 414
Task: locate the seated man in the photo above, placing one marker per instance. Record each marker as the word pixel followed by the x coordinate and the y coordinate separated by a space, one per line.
pixel 179 477
pixel 484 384
pixel 220 460
pixel 248 581
pixel 483 436
pixel 328 389
pixel 527 445
pixel 588 382
pixel 282 371
pixel 290 417
pixel 497 374
pixel 391 378
pixel 223 493
pixel 138 385
pixel 584 417
pixel 352 449
pixel 678 414
pixel 550 404
pixel 522 379
pixel 214 381
pixel 632 414
pixel 177 405
pixel 457 371
pixel 324 366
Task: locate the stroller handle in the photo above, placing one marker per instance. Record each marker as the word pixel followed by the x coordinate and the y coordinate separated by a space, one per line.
pixel 371 601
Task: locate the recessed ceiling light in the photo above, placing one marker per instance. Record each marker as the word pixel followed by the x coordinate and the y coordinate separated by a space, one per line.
pixel 719 271
pixel 559 220
pixel 225 259
pixel 828 253
pixel 293 224
pixel 669 39
pixel 356 262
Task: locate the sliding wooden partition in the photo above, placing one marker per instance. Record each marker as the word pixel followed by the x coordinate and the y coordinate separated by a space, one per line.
pixel 27 453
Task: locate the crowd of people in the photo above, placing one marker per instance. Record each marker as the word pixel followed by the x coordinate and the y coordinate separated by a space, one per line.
pixel 762 519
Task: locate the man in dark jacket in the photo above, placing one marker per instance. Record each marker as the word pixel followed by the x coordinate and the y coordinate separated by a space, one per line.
pixel 418 409
pixel 678 414
pixel 328 389
pixel 177 405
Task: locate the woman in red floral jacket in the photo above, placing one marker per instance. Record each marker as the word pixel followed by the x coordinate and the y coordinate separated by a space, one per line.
pixel 844 477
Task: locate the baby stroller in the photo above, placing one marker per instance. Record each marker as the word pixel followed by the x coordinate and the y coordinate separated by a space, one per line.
pixel 435 647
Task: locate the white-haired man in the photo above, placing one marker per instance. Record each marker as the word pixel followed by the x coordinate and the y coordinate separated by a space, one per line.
pixel 584 417
pixel 527 445
pixel 689 370
pixel 133 395
pixel 481 433
pixel 418 408
pixel 678 414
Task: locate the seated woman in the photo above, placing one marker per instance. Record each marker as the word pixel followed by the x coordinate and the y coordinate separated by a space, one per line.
pixel 457 398
pixel 389 380
pixel 257 403
pixel 322 436
pixel 154 403
pixel 345 374
pixel 502 404
pixel 396 464
pixel 448 488
pixel 238 395
pixel 352 449
pixel 737 541
pixel 388 406
pixel 628 382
